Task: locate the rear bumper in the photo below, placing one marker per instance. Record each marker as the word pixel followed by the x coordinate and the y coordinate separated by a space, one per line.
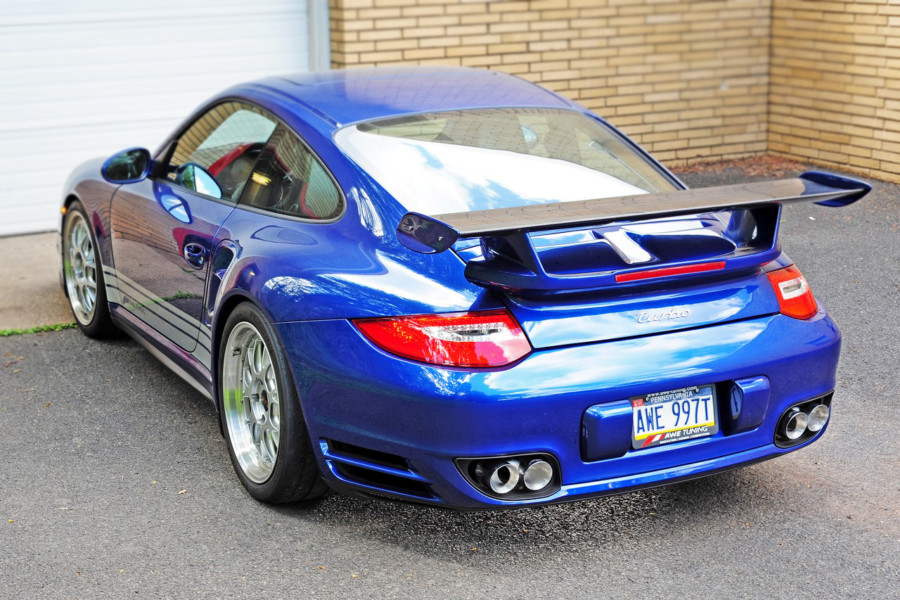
pixel 426 417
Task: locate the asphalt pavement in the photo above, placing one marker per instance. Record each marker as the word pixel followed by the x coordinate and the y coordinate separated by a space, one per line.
pixel 115 483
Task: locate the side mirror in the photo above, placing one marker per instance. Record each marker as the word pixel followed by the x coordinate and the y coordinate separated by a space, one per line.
pixel 128 166
pixel 194 177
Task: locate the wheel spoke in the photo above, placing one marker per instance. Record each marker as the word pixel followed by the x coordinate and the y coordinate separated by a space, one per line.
pixel 247 372
pixel 269 381
pixel 251 360
pixel 78 237
pixel 263 451
pixel 275 422
pixel 258 350
pixel 263 446
pixel 89 296
pixel 271 442
pixel 85 245
pixel 265 360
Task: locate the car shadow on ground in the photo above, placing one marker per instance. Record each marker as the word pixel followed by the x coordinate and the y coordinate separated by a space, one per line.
pixel 727 500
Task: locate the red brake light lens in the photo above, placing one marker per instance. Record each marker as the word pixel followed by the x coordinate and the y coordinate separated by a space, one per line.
pixel 475 339
pixel 793 293
pixel 670 271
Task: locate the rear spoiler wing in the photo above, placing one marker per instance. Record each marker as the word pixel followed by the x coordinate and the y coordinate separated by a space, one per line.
pixel 509 254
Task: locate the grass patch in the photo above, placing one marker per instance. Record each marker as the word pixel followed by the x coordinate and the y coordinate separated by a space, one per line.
pixel 38 329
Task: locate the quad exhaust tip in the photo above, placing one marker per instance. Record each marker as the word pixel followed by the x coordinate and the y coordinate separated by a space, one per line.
pixel 504 477
pixel 818 417
pixel 796 424
pixel 802 422
pixel 513 477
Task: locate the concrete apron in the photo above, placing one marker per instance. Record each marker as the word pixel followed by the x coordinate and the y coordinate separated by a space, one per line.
pixel 30 294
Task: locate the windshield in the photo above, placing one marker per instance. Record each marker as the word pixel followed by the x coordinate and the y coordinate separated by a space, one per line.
pixel 466 160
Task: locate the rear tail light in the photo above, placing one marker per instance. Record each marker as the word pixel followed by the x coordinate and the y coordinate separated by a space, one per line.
pixel 476 339
pixel 794 296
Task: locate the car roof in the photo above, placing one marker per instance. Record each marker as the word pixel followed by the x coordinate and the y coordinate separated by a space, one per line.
pixel 341 97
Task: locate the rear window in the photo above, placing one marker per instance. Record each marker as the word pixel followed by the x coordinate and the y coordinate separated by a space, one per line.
pixel 458 161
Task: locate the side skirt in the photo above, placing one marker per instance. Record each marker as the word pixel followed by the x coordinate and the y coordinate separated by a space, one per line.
pixel 182 363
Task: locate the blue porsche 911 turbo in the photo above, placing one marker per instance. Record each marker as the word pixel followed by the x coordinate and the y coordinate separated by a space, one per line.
pixel 453 287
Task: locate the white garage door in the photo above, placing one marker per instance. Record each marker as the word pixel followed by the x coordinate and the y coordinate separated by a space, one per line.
pixel 85 79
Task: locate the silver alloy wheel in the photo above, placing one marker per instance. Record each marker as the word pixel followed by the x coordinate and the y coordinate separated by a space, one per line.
pixel 251 402
pixel 80 268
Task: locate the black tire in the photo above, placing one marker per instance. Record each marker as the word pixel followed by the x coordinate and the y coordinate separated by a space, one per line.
pixel 83 275
pixel 248 415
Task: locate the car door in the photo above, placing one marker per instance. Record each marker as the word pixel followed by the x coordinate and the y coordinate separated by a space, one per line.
pixel 163 227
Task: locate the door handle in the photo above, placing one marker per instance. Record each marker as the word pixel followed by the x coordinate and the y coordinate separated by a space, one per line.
pixel 195 254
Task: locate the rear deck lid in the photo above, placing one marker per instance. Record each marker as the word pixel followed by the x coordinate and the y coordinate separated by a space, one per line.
pixel 654 304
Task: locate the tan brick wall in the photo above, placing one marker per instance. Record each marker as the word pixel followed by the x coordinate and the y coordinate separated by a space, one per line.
pixel 686 79
pixel 835 84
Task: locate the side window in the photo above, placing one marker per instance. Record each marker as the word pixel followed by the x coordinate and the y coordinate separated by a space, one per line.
pixel 289 180
pixel 224 142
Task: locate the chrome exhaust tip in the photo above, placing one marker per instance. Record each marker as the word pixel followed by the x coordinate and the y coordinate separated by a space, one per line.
pixel 504 477
pixel 795 426
pixel 803 421
pixel 513 477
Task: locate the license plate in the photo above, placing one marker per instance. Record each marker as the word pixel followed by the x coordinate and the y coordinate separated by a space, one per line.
pixel 673 416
